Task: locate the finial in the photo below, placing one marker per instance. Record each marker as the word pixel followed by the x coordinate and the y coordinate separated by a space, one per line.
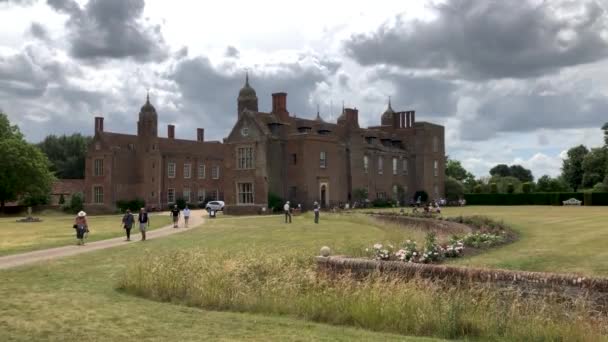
pixel 148 96
pixel 389 101
pixel 342 106
pixel 246 76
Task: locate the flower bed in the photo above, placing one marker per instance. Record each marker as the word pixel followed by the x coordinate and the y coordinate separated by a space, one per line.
pixel 482 233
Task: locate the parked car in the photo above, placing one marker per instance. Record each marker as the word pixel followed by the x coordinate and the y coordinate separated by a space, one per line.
pixel 215 205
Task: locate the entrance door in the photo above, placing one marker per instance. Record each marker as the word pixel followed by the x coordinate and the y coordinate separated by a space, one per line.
pixel 324 194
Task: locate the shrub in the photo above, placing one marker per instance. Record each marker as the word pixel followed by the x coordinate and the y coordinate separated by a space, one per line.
pixel 76 204
pixel 526 187
pixel 61 200
pixel 382 203
pixel 478 189
pixel 510 188
pixel 478 240
pixel 535 198
pixel 493 188
pixel 133 205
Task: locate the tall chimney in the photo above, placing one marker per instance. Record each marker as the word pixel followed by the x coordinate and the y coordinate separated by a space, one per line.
pixel 279 105
pixel 351 115
pixel 413 117
pixel 98 124
pixel 407 119
pixel 171 131
pixel 200 134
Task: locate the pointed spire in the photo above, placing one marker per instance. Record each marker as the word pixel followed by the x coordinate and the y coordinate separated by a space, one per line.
pixel 246 77
pixel 148 96
pixel 389 102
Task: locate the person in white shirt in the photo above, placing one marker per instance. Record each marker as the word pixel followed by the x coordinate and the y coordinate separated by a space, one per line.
pixel 316 210
pixel 287 211
pixel 186 213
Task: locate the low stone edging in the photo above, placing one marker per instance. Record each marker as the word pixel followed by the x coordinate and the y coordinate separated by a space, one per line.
pixel 571 284
pixel 429 223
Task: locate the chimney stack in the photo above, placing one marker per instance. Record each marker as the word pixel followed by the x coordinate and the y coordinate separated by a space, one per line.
pixel 98 124
pixel 413 117
pixel 171 131
pixel 279 105
pixel 351 115
pixel 200 134
pixel 407 119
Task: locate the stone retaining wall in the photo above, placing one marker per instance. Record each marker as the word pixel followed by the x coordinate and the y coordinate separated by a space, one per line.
pixel 572 286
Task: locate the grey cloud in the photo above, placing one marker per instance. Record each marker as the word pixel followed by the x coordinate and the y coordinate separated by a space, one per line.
pixel 529 112
pixel 491 39
pixel 21 76
pixel 18 2
pixel 209 95
pixel 232 52
pixel 39 31
pixel 111 29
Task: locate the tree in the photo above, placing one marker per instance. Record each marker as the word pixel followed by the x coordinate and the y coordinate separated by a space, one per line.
pixel 594 167
pixel 572 167
pixel 510 188
pixel 605 129
pixel 600 187
pixel 493 188
pixel 502 184
pixel 527 187
pixel 521 173
pixel 454 189
pixel 24 170
pixel 500 170
pixel 548 184
pixel 454 169
pixel 67 154
pixel 76 203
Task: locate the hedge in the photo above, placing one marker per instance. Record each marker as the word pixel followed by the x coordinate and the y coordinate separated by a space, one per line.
pixel 537 198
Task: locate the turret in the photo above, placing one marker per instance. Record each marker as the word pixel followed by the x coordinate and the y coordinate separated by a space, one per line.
pixel 148 120
pixel 247 98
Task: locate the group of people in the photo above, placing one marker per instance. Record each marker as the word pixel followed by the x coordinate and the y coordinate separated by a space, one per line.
pixel 128 221
pixel 316 208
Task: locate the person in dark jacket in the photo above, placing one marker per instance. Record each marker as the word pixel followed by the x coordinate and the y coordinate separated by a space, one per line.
pixel 144 223
pixel 316 209
pixel 81 226
pixel 127 222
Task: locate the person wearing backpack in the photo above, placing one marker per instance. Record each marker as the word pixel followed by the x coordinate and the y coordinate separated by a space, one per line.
pixel 144 223
pixel 127 221
pixel 81 226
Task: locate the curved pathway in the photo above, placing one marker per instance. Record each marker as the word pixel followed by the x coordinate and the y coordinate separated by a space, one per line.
pixel 9 261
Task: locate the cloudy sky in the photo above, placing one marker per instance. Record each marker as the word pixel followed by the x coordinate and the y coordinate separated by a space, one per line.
pixel 512 81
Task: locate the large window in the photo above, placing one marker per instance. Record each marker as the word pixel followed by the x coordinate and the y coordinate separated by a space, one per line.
pixel 435 168
pixel 380 165
pixel 171 195
pixel 187 195
pixel 98 168
pixel 394 166
pixel 98 194
pixel 323 159
pixel 404 161
pixel 435 144
pixel 201 171
pixel 365 164
pixel 201 195
pixel 215 172
pixel 245 193
pixel 187 170
pixel 213 195
pixel 171 170
pixel 245 158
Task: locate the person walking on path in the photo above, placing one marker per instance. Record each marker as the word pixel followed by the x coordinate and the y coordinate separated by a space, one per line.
pixel 316 208
pixel 144 222
pixel 287 211
pixel 175 215
pixel 81 226
pixel 127 222
pixel 186 214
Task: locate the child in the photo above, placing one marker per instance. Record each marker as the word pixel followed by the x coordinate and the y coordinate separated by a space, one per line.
pixel 81 226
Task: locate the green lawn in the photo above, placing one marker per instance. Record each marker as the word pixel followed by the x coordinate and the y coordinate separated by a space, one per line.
pixel 56 230
pixel 43 302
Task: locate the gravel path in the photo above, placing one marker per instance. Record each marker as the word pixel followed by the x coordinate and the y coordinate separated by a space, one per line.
pixel 9 261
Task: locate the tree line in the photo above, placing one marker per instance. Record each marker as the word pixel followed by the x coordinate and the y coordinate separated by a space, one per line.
pixel 583 169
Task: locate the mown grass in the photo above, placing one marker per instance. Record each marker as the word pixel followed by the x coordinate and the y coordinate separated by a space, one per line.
pixel 45 302
pixel 551 239
pixel 56 230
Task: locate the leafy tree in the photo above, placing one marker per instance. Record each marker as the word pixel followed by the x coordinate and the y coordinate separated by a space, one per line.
pixel 510 188
pixel 605 129
pixel 454 189
pixel 478 189
pixel 548 184
pixel 455 170
pixel 572 167
pixel 600 187
pixel 527 187
pixel 594 167
pixel 493 188
pixel 24 170
pixel 500 170
pixel 275 202
pixel 521 173
pixel 67 154
pixel 502 184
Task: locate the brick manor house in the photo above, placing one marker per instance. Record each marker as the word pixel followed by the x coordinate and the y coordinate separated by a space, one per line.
pixel 297 159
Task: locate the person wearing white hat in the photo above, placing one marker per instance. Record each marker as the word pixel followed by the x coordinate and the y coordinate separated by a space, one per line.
pixel 287 211
pixel 81 226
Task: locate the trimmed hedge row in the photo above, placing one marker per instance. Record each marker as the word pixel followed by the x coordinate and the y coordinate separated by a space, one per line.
pixel 537 198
